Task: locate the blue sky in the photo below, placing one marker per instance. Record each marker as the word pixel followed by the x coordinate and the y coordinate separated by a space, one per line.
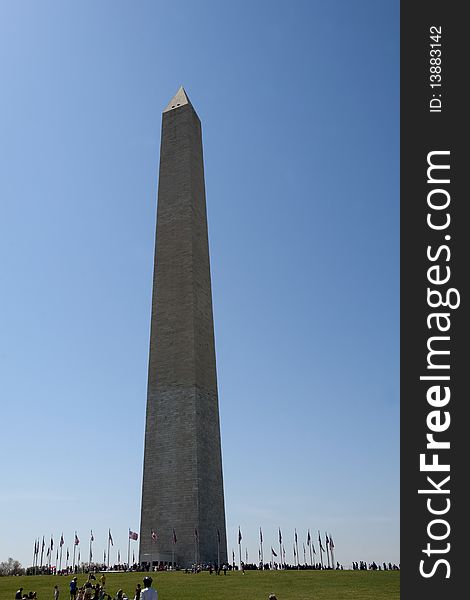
pixel 299 103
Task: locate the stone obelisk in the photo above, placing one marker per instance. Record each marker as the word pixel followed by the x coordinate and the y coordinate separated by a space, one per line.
pixel 183 514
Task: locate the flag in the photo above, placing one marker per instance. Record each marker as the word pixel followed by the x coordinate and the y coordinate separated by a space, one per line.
pixel 196 535
pixel 153 533
pixel 308 538
pixel 67 553
pixel 327 540
pixel 280 536
pixel 233 556
pixel 239 535
pixel 218 536
pixel 79 556
pixel 119 557
pixel 52 544
pixel 272 551
pixel 260 536
pixel 313 548
pixel 294 552
pixel 43 544
pixel 92 539
pixel 295 535
pixel 174 537
pixel 110 538
pixel 321 545
pixel 133 535
pixel 77 541
pixel 331 542
pixel 48 552
pixel 61 543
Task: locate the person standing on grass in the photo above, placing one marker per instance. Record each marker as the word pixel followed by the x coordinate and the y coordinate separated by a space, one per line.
pixel 148 593
pixel 73 588
pixel 56 592
pixel 138 591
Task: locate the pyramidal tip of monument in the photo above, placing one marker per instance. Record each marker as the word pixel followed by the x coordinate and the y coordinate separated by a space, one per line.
pixel 179 99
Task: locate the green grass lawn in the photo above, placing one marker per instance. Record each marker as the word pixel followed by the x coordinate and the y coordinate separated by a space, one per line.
pixel 254 585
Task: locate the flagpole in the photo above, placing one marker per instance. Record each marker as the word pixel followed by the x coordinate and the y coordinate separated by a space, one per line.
pixel 73 559
pixel 297 547
pixel 129 550
pixel 218 550
pixel 332 545
pixel 321 549
pixel 60 560
pixel 34 554
pixel 280 547
pixel 261 546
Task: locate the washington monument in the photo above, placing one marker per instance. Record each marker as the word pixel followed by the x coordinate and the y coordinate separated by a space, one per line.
pixel 183 514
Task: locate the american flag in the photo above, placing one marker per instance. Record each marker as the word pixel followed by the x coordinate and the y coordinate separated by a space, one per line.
pixel 110 538
pixel 61 543
pixel 77 541
pixel 239 535
pixel 133 535
pixel 153 533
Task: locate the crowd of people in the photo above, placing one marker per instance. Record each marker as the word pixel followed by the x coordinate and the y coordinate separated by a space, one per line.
pixel 96 590
pixel 373 566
